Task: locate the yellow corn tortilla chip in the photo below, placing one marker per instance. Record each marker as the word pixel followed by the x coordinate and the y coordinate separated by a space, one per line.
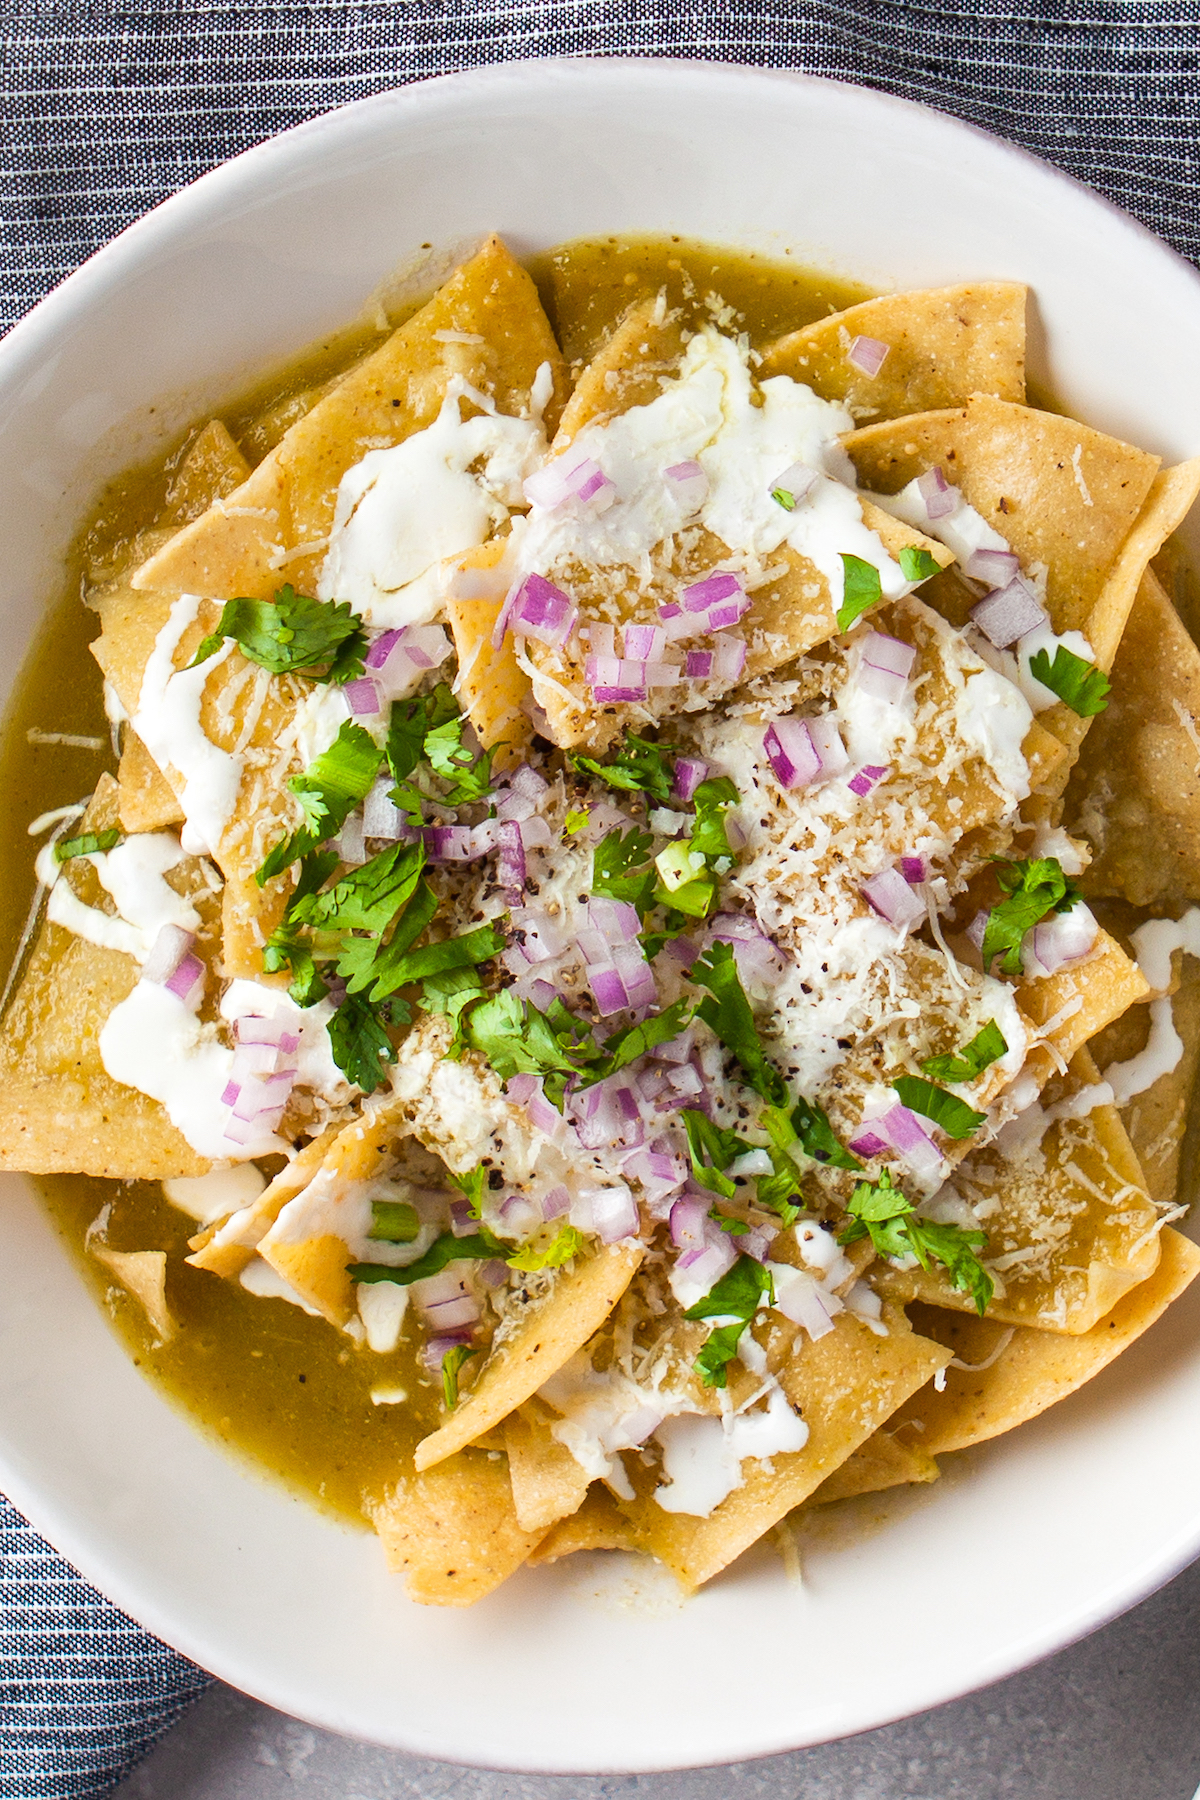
pixel 147 802
pixel 547 1482
pixel 1033 1369
pixel 453 1531
pixel 60 1110
pixel 142 1273
pixel 252 541
pixel 1070 1225
pixel 1059 492
pixel 210 470
pixel 944 344
pixel 226 1246
pixel 576 1306
pixel 844 1386
pixel 645 347
pixel 884 1461
pixel 491 687
pixel 1135 791
pixel 599 1524
pixel 1157 1118
pixel 1104 983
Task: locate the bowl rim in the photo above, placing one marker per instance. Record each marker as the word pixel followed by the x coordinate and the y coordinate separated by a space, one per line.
pixel 202 201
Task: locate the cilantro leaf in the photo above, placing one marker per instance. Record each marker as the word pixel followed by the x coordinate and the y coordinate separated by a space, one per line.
pixel 566 1243
pixel 472 1185
pixel 817 1137
pixel 394 1222
pixel 395 969
pixel 367 898
pixel 1079 684
pixel 328 791
pixel 447 1248
pixel 517 1039
pixel 1033 888
pixel 861 588
pixel 739 1292
pixel 621 867
pixel 470 776
pixel 953 1115
pixel 359 1043
pixel 712 801
pixel 712 1150
pixel 92 843
pixel 292 635
pixel 452 1364
pixel 727 1012
pixel 985 1048
pixel 632 1041
pixel 917 564
pixel 576 820
pixel 449 994
pixel 408 723
pixel 881 1212
pixel 638 767
pixel 784 498
pixel 369 965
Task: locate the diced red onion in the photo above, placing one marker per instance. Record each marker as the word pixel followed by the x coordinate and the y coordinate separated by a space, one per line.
pixel 803 1302
pixel 397 659
pixel 380 818
pixel 893 899
pixel 608 991
pixel 615 679
pixel 1060 939
pixel 659 1173
pixel 382 648
pixel 637 977
pixel 614 1213
pixel 676 1050
pixel 699 665
pixel 187 981
pixel 555 1203
pixel 729 657
pixel 542 611
pixel 705 1267
pixel 913 869
pixel 682 950
pixel 437 1349
pixel 862 783
pixel 826 740
pixel 616 920
pixel 644 643
pixel 520 1087
pixel 1008 613
pixel 546 1117
pixel 884 668
pixel 757 1241
pixel 689 773
pixel 261 1094
pixel 976 929
pixel 252 1028
pixel 563 479
pixel 701 595
pixel 686 1080
pixel 940 498
pixel 759 961
pixel 461 1222
pixel 543 937
pixel 868 1144
pixel 906 1134
pixel 510 865
pixel 868 354
pixel 362 697
pixel 796 480
pixel 456 843
pixel 995 567
pixel 351 841
pixel 167 952
pixel 688 1217
pixel 442 1289
pixel 688 483
pixel 495 1274
pixel 791 753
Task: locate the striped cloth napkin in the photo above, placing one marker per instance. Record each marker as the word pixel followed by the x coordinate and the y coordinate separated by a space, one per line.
pixel 111 105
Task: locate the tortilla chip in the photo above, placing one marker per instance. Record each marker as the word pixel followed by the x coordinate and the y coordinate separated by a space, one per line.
pixel 599 1524
pixel 142 1273
pixel 1032 1369
pixel 1070 1225
pixel 1105 984
pixel 275 526
pixel 147 802
pixel 1157 1118
pixel 628 370
pixel 577 1305
pixel 547 1482
pixel 227 1245
pixel 491 686
pixel 60 1110
pixel 882 1462
pixel 844 1386
pixel 1059 492
pixel 944 344
pixel 1135 792
pixel 211 469
pixel 453 1531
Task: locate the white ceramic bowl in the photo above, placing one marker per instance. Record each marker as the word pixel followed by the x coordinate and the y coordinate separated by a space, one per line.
pixel 1034 1540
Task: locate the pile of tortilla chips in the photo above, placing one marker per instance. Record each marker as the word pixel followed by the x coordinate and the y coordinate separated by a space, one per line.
pixel 1079 1245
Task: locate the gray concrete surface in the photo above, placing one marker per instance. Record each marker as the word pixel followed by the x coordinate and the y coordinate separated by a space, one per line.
pixel 1116 1717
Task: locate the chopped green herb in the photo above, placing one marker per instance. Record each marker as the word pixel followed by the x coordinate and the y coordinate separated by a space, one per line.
pixel 472 1185
pixel 694 898
pixel 678 866
pixel 328 791
pixel 953 1115
pixel 478 1247
pixel 576 821
pixel 632 1041
pixel 621 867
pixel 360 1045
pixel 449 994
pixel 470 776
pixel 917 564
pixel 817 1137
pixel 292 635
pixel 408 725
pixel 1033 889
pixel 367 898
pixel 452 1364
pixel 785 498
pixel 881 1212
pixel 566 1243
pixel 735 1227
pixel 394 1222
pixel 728 1013
pixel 985 1048
pixel 395 970
pixel 861 588
pixel 92 843
pixel 739 1294
pixel 517 1039
pixel 367 964
pixel 712 801
pixel 1079 684
pixel 712 1150
pixel 638 767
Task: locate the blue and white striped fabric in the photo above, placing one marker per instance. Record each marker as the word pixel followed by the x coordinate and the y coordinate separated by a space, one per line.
pixel 111 105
